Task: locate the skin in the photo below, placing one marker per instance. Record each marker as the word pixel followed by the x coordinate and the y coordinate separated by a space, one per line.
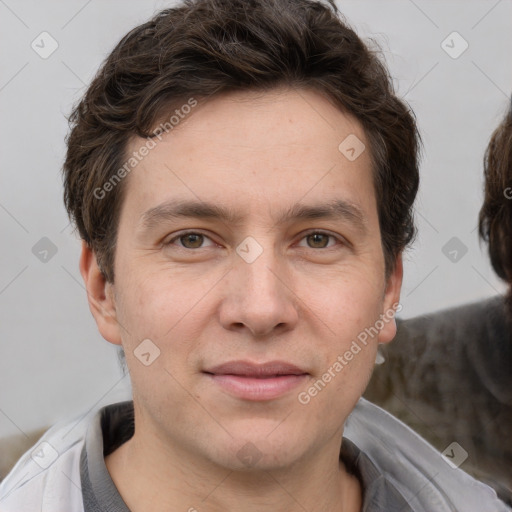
pixel 303 300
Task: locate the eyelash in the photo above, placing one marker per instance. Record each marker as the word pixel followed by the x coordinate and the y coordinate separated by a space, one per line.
pixel 313 232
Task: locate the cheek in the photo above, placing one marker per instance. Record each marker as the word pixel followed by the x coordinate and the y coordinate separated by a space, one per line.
pixel 346 305
pixel 348 310
pixel 156 306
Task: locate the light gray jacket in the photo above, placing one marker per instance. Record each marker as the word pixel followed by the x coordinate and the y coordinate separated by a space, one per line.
pixel 396 466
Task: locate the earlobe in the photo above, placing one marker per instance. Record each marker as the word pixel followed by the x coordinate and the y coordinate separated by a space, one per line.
pixel 391 302
pixel 100 296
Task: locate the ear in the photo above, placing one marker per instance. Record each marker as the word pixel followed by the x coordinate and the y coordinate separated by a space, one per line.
pixel 100 295
pixel 391 302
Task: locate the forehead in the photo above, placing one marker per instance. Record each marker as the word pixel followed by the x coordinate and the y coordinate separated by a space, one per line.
pixel 255 149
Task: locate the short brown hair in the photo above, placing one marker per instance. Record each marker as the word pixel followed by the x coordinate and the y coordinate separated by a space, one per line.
pixel 206 47
pixel 495 221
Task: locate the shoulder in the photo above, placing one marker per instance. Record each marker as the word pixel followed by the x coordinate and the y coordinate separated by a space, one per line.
pixel 47 477
pixel 426 479
pixel 477 320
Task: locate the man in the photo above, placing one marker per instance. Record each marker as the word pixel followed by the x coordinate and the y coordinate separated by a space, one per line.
pixel 495 221
pixel 242 176
pixel 449 374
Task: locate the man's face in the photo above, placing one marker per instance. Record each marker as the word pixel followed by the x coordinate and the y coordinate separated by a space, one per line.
pixel 270 284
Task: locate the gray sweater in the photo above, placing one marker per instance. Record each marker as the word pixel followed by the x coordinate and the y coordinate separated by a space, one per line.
pixel 448 375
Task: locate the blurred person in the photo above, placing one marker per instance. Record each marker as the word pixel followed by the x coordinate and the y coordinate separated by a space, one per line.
pixel 449 374
pixel 242 176
pixel 495 220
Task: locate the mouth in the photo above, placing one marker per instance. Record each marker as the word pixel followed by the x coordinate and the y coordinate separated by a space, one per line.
pixel 257 382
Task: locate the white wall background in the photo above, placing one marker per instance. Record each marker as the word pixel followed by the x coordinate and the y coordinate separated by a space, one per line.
pixel 53 362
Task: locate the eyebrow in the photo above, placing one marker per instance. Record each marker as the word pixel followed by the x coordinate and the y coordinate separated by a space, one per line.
pixel 337 209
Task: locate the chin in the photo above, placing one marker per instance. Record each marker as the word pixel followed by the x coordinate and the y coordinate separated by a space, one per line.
pixel 262 448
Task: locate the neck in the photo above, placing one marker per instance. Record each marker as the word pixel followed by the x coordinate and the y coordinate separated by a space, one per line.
pixel 159 477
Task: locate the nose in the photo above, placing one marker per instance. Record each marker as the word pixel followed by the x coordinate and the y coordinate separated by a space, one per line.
pixel 259 296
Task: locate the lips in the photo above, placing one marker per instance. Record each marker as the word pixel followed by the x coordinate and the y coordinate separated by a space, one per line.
pixel 262 370
pixel 257 382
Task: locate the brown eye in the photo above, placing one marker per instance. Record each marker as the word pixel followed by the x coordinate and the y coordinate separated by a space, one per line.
pixel 318 240
pixel 192 240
